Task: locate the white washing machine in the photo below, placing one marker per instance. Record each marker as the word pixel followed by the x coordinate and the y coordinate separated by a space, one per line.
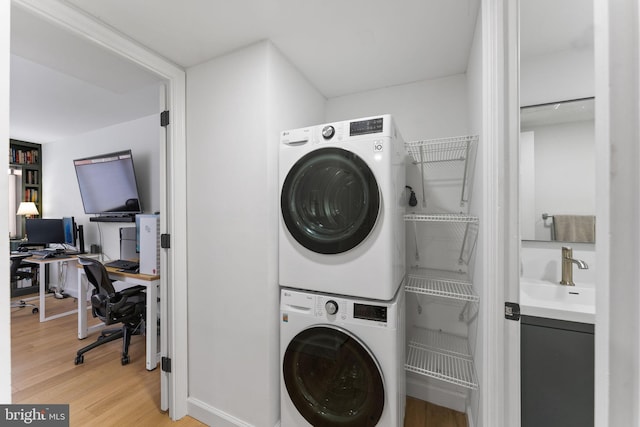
pixel 342 360
pixel 341 208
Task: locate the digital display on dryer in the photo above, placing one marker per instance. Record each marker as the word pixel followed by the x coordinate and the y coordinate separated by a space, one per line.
pixel 370 312
pixel 364 127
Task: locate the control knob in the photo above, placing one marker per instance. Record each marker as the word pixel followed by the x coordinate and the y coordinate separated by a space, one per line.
pixel 331 306
pixel 328 132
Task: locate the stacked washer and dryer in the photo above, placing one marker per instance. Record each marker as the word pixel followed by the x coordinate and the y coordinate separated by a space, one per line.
pixel 341 269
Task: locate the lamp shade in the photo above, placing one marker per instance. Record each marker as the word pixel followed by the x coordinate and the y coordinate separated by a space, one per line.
pixel 27 208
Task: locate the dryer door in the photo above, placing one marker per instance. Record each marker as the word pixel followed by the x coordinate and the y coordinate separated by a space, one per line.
pixel 330 201
pixel 332 379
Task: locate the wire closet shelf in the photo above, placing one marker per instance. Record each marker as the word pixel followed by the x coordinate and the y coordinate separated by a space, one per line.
pixel 441 149
pixel 442 356
pixel 466 230
pixel 429 282
pixel 460 149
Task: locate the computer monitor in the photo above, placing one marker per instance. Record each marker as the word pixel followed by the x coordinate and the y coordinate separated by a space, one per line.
pixel 69 230
pixel 44 231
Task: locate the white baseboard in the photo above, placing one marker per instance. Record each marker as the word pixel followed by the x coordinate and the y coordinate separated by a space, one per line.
pixel 441 395
pixel 470 421
pixel 212 416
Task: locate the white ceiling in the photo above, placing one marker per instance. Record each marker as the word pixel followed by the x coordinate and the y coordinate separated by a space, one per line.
pixel 63 86
pixel 341 46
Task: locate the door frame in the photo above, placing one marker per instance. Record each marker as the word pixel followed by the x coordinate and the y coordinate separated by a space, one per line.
pixel 500 379
pixel 173 173
pixel 5 312
pixel 611 399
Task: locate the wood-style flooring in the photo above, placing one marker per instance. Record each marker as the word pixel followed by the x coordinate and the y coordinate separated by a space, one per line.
pixel 423 414
pixel 102 392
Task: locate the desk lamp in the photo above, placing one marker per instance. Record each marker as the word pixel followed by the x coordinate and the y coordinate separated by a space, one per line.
pixel 28 209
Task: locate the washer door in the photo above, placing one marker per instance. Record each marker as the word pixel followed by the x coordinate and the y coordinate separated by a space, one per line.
pixel 330 201
pixel 332 379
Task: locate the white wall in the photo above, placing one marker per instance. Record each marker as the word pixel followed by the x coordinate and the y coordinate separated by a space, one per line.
pixel 236 106
pixel 565 162
pixel 527 188
pixel 61 195
pixel 422 110
pixel 556 77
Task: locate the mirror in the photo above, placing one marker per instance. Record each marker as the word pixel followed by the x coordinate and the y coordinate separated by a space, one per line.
pixel 557 172
pixel 557 141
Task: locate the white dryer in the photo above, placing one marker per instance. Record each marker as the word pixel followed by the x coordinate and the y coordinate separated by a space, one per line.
pixel 341 208
pixel 342 360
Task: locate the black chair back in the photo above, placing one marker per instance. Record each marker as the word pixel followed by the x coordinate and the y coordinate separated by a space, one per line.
pixel 107 304
pixel 16 260
pixel 97 275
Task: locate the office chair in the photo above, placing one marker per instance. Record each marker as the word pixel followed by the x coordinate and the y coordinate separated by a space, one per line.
pixel 127 307
pixel 16 274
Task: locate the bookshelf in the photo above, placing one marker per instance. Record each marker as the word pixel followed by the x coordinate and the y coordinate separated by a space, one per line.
pixel 27 157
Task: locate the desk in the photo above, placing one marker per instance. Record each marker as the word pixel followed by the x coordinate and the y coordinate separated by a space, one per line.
pixel 71 259
pixel 151 283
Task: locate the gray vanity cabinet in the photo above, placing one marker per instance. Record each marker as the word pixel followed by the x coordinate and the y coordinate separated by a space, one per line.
pixel 557 373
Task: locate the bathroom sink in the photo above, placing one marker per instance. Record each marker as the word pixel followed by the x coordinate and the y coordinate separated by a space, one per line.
pixel 546 299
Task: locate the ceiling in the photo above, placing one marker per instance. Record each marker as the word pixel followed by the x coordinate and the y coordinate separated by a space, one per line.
pixel 63 86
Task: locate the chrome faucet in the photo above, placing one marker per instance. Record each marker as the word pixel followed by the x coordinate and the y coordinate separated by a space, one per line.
pixel 567 266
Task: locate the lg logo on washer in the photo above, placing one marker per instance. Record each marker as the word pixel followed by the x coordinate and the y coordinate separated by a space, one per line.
pixel 341 226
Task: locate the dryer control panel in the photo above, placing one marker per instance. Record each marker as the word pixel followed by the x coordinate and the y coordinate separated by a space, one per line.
pixel 364 127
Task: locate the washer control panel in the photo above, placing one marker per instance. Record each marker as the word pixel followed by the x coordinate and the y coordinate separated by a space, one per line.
pixel 337 309
pixel 377 313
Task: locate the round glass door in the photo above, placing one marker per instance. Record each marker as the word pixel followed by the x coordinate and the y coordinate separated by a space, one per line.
pixel 332 379
pixel 330 201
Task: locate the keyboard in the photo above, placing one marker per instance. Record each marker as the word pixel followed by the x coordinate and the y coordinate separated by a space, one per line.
pixel 122 264
pixel 43 251
pixel 46 252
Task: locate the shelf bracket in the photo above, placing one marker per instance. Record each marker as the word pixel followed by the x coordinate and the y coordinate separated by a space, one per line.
pixel 415 239
pixel 422 166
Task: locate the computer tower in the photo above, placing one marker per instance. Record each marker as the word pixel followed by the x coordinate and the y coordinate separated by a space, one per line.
pixel 148 227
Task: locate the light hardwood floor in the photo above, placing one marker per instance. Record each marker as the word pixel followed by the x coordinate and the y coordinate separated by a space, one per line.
pixel 102 392
pixel 424 414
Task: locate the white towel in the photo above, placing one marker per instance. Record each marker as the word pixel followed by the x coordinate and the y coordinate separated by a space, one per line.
pixel 575 228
